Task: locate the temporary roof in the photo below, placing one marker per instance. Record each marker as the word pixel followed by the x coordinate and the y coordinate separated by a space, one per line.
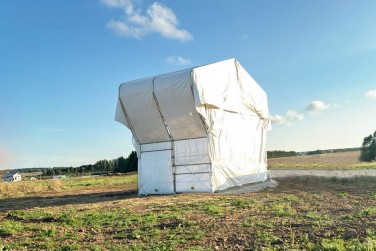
pixel 191 104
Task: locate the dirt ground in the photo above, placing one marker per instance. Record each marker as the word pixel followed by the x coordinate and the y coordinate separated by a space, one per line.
pixel 297 212
pixel 286 185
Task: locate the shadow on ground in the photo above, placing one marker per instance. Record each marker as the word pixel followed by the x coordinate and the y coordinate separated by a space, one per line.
pixel 70 199
pixel 289 185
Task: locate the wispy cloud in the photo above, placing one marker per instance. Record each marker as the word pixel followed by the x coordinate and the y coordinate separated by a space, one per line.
pixel 293 115
pixel 278 119
pixel 157 18
pixel 316 107
pixel 178 60
pixel 371 94
pixel 287 119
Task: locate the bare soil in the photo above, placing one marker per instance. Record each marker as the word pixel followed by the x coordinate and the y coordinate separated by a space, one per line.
pixel 339 208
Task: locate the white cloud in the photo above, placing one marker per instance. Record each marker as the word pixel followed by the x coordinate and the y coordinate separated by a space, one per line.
pixel 371 94
pixel 158 18
pixel 316 107
pixel 279 120
pixel 286 120
pixel 293 115
pixel 178 60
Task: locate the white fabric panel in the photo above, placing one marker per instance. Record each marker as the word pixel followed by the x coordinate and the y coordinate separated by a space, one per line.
pixel 215 81
pixel 236 149
pixel 175 99
pixel 253 97
pixel 193 183
pixel 156 146
pixel 155 173
pixel 142 111
pixel 226 85
pixel 120 116
pixel 137 147
pixel 191 151
pixel 192 169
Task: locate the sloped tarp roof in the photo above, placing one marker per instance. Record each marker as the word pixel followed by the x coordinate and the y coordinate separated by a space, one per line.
pixel 172 105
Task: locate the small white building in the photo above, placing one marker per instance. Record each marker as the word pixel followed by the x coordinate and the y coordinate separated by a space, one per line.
pixel 12 177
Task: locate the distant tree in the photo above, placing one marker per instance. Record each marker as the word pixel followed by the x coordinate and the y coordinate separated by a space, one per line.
pixel 125 165
pixel 315 152
pixel 368 150
pixel 133 162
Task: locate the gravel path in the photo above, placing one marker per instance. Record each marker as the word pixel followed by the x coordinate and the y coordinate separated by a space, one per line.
pixel 323 173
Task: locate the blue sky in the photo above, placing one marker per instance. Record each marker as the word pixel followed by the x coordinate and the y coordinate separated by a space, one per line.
pixel 61 63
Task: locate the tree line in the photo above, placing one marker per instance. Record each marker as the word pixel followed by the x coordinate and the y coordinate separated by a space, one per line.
pixel 119 165
pixel 278 154
pixel 368 150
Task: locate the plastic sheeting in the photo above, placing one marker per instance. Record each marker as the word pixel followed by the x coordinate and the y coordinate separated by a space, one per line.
pixel 176 102
pixel 198 130
pixel 238 156
pixel 141 112
pixel 192 165
pixel 155 169
pixel 195 182
pixel 192 151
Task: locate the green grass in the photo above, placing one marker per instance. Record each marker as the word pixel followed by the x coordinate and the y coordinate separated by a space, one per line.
pixel 29 188
pixel 336 219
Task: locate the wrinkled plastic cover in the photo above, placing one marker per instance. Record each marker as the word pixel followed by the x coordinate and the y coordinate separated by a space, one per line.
pixel 238 155
pixel 214 119
pixel 155 107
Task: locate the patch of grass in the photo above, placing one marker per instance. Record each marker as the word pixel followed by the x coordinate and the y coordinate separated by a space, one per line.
pixel 283 209
pixel 10 228
pixel 313 215
pixel 265 224
pixel 212 208
pixel 69 247
pixel 347 217
pixel 28 188
pixel 278 219
pixel 291 198
pixel 343 194
pixel 98 181
pixel 332 244
pixel 248 223
pixel 50 232
pixel 240 202
pixel 368 211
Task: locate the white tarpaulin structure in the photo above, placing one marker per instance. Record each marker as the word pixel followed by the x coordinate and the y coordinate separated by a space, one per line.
pixel 197 130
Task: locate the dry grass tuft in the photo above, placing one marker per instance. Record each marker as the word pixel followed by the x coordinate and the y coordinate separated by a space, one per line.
pixel 20 189
pixel 55 185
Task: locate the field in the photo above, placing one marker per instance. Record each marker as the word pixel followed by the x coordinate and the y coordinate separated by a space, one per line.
pixel 105 213
pixel 344 160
